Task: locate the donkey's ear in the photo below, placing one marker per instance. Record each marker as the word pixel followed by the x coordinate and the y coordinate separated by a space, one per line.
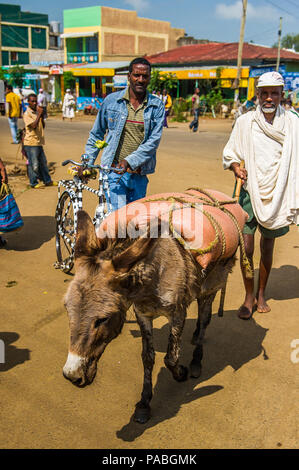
pixel 134 253
pixel 87 243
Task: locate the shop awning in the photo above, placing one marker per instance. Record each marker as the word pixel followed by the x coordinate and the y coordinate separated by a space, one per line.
pixel 78 35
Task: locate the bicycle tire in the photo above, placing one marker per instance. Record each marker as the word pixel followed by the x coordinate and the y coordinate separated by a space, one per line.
pixel 66 222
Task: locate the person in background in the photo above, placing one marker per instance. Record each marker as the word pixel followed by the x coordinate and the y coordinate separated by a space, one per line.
pixel 193 126
pixel 26 92
pixel 251 104
pixel 3 179
pixel 68 107
pixel 13 111
pixel 33 145
pixel 42 102
pixel 166 98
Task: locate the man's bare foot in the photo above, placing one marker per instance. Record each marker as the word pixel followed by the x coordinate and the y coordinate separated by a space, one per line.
pixel 247 309
pixel 262 306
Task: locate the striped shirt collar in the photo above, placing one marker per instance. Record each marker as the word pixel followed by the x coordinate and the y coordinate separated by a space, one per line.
pixel 127 96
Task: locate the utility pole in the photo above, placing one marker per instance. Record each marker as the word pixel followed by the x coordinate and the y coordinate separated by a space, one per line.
pixel 0 40
pixel 279 44
pixel 240 50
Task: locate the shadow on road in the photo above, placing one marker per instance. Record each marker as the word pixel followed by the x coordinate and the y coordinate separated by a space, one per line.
pixel 283 283
pixel 35 232
pixel 11 356
pixel 229 342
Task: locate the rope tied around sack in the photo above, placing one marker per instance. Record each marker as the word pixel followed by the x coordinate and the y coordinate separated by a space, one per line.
pixel 219 233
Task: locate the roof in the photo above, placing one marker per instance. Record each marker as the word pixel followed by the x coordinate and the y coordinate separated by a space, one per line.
pixel 220 52
pixel 99 65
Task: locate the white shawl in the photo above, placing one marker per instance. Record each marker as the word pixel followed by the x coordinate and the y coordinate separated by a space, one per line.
pixel 276 204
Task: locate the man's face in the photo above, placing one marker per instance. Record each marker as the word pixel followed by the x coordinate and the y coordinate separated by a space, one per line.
pixel 139 78
pixel 270 97
pixel 32 103
pixel 197 91
pixel 8 90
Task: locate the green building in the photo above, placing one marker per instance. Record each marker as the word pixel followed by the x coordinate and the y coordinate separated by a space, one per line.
pixel 21 34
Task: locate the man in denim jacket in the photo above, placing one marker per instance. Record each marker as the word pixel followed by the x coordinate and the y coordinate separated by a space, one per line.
pixel 133 120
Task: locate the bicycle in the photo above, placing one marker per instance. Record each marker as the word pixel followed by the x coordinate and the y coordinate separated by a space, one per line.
pixel 70 202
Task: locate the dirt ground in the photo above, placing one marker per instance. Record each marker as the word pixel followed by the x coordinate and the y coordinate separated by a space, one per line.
pixel 247 396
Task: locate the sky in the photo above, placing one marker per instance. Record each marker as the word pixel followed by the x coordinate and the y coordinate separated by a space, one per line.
pixel 217 20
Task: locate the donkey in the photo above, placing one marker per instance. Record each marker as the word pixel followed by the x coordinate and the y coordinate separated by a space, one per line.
pixel 157 276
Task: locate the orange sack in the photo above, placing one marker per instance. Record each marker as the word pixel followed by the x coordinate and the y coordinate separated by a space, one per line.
pixel 188 216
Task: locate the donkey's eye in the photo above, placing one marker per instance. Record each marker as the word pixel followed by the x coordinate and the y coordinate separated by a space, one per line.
pixel 99 321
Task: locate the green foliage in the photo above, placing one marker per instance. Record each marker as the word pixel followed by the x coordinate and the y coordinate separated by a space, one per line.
pixel 213 98
pixel 156 81
pixel 2 74
pixel 69 80
pixel 169 81
pixel 289 41
pixel 160 81
pixel 180 107
pixel 16 74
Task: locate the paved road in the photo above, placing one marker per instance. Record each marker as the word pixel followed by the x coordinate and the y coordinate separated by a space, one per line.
pixel 247 396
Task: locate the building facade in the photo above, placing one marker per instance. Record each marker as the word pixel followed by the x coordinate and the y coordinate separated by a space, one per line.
pixel 100 34
pixel 21 34
pixel 217 62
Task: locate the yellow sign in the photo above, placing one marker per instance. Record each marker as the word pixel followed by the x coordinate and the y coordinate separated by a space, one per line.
pixel 228 83
pixel 90 72
pixel 193 74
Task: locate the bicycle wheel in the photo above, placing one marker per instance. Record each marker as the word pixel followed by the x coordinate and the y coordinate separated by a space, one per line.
pixel 65 232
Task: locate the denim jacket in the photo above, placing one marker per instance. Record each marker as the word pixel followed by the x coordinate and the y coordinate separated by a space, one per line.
pixel 112 117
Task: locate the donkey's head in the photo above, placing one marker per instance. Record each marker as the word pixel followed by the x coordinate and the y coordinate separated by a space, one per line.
pixel 98 297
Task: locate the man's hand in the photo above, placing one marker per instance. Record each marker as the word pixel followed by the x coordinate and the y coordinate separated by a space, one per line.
pixel 123 165
pixel 3 173
pixel 239 172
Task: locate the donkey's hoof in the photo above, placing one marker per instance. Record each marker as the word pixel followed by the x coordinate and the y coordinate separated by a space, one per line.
pixel 142 415
pixel 195 370
pixel 183 374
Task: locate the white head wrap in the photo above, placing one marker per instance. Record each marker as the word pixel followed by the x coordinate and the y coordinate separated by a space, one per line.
pixel 270 79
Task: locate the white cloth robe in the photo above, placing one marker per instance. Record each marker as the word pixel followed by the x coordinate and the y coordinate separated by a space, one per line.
pixel 68 108
pixel 276 202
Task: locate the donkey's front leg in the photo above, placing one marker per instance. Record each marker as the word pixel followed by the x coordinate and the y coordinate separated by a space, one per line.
pixel 143 410
pixel 171 360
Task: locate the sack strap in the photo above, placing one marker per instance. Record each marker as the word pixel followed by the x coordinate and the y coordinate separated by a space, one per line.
pixel 4 190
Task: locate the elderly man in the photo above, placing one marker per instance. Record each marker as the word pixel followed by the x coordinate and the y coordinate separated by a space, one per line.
pixel 133 120
pixel 267 140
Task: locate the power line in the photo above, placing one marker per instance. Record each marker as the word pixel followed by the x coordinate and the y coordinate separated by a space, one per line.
pixel 282 9
pixel 293 3
pixel 272 30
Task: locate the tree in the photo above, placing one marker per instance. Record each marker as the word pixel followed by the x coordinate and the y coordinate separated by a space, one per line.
pixel 160 80
pixel 155 83
pixel 16 74
pixel 69 80
pixel 169 81
pixel 289 41
pixel 2 74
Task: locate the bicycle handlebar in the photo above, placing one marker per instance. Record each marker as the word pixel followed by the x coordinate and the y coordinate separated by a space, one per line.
pixel 98 167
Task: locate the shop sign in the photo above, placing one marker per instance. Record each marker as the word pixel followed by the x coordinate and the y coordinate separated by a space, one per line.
pixel 120 81
pixel 35 76
pixel 56 70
